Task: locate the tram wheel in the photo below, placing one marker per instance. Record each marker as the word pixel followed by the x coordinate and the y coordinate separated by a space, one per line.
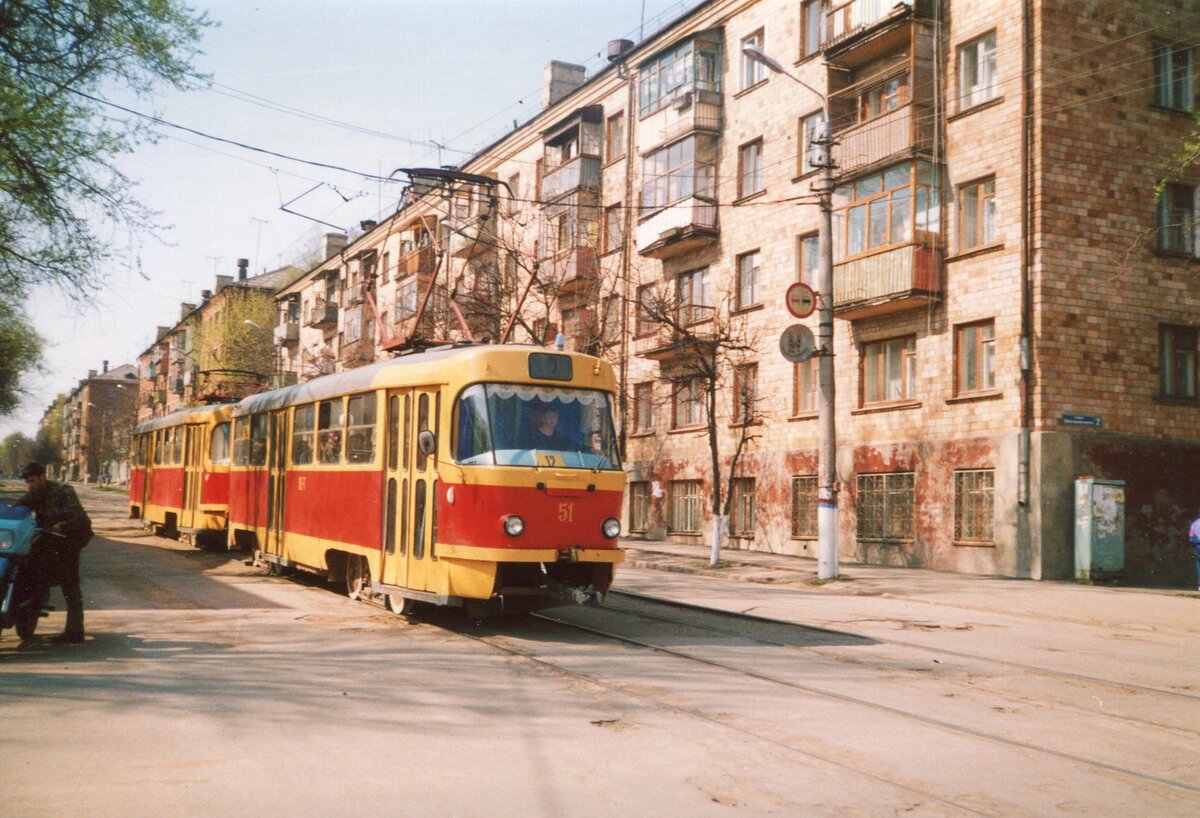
pixel 400 605
pixel 358 576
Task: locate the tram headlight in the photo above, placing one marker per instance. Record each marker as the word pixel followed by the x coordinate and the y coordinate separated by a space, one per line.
pixel 7 539
pixel 513 525
pixel 611 528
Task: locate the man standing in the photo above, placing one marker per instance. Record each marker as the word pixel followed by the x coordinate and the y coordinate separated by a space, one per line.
pixel 58 510
pixel 1194 540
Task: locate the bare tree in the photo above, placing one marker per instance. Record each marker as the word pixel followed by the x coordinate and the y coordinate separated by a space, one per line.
pixel 701 347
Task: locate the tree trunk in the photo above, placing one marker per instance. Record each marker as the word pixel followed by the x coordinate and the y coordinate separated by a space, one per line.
pixel 720 523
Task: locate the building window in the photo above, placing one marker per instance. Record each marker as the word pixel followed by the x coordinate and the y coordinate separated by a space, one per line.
pixel 644 322
pixel 514 193
pixel 692 66
pixel 812 26
pixel 1173 76
pixel 975 357
pixel 686 517
pixel 745 393
pixel 804 507
pixel 977 72
pixel 643 407
pixel 747 281
pixel 808 257
pixel 611 332
pixel 1177 219
pixel 885 506
pixel 753 70
pixel 741 523
pixel 614 228
pixel 882 97
pixel 804 387
pixel 889 370
pixel 812 129
pixel 973 508
pixel 678 171
pixel 1177 362
pixel 977 214
pixel 687 403
pixel 887 209
pixel 693 296
pixel 614 136
pixel 750 169
pixel 639 505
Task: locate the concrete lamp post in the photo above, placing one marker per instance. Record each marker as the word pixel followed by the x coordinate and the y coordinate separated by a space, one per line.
pixel 827 489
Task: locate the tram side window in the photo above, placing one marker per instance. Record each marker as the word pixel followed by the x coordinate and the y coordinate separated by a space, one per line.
pixel 158 448
pixel 360 429
pixel 302 435
pixel 177 445
pixel 329 430
pixel 258 440
pixel 218 449
pixel 422 425
pixel 241 442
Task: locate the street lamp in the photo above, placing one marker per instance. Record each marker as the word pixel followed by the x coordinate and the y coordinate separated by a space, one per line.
pixel 827 490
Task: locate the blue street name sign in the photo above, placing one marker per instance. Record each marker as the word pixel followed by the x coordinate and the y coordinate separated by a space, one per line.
pixel 1081 420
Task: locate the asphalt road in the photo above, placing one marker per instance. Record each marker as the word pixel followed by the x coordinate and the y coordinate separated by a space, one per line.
pixel 208 688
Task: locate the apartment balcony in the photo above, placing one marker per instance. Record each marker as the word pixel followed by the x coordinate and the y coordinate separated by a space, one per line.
pixel 694 111
pixel 421 260
pixel 358 353
pixel 669 345
pixel 678 228
pixel 475 237
pixel 352 294
pixel 906 278
pixel 287 332
pixel 859 31
pixel 573 271
pixel 898 134
pixel 322 315
pixel 582 172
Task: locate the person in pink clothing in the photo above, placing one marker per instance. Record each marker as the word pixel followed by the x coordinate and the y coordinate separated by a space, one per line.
pixel 1194 540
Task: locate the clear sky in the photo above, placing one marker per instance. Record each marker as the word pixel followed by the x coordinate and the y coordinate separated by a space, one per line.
pixel 370 86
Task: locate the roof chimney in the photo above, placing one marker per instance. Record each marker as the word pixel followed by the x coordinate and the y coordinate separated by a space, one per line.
pixel 334 244
pixel 91 374
pixel 205 295
pixel 223 282
pixel 185 309
pixel 367 225
pixel 561 79
pixel 105 369
pixel 242 263
pixel 159 332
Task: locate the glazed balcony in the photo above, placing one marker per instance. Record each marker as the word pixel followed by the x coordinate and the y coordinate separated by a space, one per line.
pixel 905 278
pixel 679 228
pixel 473 238
pixel 420 260
pixel 580 173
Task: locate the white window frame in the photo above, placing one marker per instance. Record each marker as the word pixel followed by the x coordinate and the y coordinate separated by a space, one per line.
pixel 977 72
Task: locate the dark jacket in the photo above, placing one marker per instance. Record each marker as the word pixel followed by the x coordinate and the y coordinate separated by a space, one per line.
pixel 57 503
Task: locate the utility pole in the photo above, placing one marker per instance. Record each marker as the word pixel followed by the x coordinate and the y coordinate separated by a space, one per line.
pixel 827 489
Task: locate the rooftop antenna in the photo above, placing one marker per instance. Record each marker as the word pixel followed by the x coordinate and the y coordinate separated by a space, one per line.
pixel 258 244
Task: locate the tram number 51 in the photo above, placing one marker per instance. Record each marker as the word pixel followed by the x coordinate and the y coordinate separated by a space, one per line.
pixel 566 512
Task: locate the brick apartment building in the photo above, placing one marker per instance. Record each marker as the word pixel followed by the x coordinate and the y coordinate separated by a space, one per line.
pixel 1013 307
pixel 98 416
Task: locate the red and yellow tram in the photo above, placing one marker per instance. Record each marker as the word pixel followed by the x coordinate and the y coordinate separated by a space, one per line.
pixel 179 474
pixel 484 476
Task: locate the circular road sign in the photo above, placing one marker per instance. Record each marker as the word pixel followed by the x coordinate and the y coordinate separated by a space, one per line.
pixel 796 343
pixel 801 300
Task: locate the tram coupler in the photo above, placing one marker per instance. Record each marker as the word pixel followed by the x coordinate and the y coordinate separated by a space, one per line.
pixel 576 596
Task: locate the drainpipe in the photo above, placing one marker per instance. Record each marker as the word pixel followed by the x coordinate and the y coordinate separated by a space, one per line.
pixel 1024 563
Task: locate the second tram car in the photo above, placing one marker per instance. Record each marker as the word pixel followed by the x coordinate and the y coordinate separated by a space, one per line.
pixel 483 476
pixel 179 475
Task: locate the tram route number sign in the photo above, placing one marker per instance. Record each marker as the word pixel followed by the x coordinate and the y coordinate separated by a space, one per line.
pixel 797 344
pixel 801 300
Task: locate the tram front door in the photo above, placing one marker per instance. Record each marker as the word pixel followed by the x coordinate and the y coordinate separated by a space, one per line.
pixel 277 431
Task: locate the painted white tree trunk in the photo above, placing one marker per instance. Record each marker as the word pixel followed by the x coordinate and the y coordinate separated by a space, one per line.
pixel 720 522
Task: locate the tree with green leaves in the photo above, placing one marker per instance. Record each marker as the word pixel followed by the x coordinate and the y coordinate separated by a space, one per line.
pixel 60 188
pixel 20 351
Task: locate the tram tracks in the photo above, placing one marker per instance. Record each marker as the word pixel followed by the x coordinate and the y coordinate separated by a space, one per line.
pixel 714 638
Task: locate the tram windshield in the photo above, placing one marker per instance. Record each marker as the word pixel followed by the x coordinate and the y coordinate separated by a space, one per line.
pixel 519 425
